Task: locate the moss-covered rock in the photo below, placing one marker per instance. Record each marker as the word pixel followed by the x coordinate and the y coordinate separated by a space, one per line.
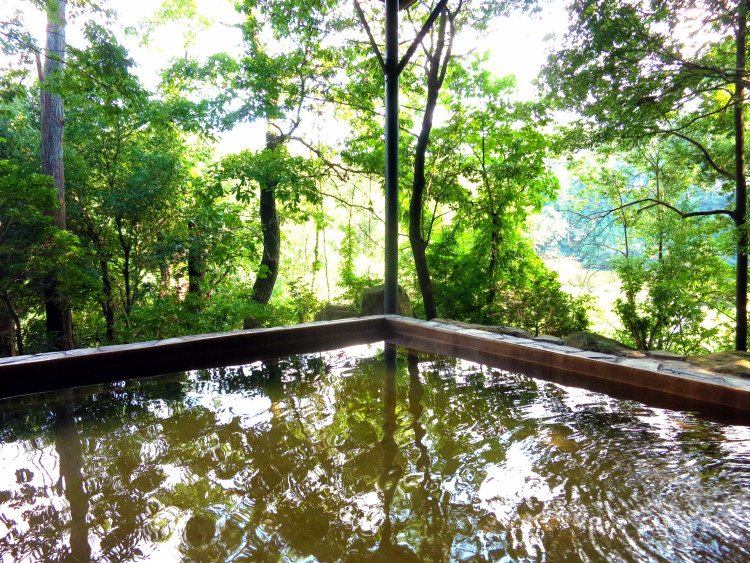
pixel 730 363
pixel 373 297
pixel 331 312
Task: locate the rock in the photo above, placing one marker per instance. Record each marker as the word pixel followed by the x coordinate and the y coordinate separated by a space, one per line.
pixel 372 302
pixel 592 342
pixel 665 355
pixel 549 338
pixel 508 330
pixel 331 312
pixel 730 363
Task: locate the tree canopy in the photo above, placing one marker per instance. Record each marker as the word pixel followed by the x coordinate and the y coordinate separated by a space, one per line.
pixel 166 232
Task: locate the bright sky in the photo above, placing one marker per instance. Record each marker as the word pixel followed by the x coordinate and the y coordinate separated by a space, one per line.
pixel 517 43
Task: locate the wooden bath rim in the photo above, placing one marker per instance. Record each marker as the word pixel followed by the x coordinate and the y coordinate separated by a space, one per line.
pixel 660 383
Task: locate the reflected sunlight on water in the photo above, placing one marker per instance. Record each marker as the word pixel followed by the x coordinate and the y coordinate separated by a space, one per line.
pixel 305 458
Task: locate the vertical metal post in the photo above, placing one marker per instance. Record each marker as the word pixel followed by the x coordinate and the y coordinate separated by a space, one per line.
pixel 390 298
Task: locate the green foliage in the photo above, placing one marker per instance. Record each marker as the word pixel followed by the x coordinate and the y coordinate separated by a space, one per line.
pixel 635 71
pixel 292 177
pixel 678 302
pixel 302 301
pixel 28 247
pixel 674 274
pixel 490 168
pixel 526 293
pixel 539 305
pixel 350 281
pixel 165 239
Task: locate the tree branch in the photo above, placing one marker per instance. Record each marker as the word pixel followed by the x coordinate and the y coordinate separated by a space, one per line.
pixel 421 35
pixel 363 21
pixel 701 148
pixel 654 203
pixel 341 170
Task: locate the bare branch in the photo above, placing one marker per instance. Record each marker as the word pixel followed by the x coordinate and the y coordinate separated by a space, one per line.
pixel 702 149
pixel 341 170
pixel 421 35
pixel 353 205
pixel 363 21
pixel 658 203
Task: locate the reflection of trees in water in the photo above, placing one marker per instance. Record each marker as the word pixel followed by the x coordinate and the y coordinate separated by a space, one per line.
pixel 426 498
pixel 44 533
pixel 392 469
pixel 71 476
pixel 309 475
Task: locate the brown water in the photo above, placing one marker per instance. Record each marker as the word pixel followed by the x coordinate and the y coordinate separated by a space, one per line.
pixel 308 460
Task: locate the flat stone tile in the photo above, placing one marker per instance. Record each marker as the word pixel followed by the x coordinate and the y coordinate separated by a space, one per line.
pixel 644 364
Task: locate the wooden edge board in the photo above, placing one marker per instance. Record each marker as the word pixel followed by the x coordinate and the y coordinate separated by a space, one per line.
pixel 60 370
pixel 656 388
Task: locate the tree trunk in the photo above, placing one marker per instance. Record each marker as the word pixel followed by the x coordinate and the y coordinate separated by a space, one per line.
pixel 269 219
pixel 127 248
pixel 196 263
pixel 7 339
pixel 108 302
pixel 269 265
pixel 16 324
pixel 59 321
pixel 659 210
pixel 165 270
pixel 316 256
pixel 494 247
pixel 418 243
pixel 740 212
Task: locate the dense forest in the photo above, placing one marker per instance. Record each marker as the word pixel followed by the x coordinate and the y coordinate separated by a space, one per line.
pixel 122 219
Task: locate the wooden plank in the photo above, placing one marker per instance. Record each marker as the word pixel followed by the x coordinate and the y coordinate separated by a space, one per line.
pixel 60 370
pixel 644 380
pixel 724 396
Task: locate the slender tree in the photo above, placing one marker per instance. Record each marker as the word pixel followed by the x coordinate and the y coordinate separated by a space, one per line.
pixel 434 28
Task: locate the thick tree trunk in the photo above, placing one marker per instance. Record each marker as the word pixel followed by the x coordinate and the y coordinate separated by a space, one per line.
pixel 740 212
pixel 59 325
pixel 416 238
pixel 269 219
pixel 269 264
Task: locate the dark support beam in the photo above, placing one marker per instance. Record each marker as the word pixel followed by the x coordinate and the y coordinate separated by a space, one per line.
pixel 391 157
